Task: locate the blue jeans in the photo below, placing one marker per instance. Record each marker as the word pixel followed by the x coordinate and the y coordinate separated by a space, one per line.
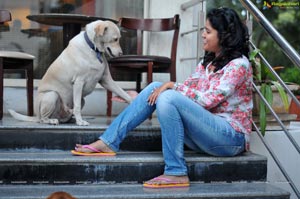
pixel 182 122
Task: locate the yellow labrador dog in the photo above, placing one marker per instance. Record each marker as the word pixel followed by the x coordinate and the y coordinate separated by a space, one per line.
pixel 75 73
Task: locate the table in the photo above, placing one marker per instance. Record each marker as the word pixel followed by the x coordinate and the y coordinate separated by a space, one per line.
pixel 71 23
pixel 34 32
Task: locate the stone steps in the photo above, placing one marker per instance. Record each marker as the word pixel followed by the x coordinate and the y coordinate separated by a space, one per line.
pixel 136 191
pixel 60 167
pixel 17 135
pixel 35 161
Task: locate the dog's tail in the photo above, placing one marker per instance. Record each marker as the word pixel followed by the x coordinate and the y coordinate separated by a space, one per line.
pixel 21 117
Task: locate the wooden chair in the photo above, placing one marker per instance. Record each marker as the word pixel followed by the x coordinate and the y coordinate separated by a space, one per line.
pixel 11 61
pixel 139 63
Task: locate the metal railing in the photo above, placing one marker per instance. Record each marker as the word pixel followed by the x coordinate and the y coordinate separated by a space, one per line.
pixel 288 51
pixel 277 37
pixel 295 58
pixel 268 147
pixel 190 3
pixel 200 24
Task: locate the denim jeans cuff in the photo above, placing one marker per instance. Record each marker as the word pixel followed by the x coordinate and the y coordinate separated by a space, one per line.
pixel 112 147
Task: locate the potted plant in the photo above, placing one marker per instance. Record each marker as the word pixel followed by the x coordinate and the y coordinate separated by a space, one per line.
pixel 267 84
pixel 291 75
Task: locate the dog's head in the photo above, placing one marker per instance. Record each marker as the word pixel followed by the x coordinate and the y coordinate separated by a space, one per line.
pixel 107 37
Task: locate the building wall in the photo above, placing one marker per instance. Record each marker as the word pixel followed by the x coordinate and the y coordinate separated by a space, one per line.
pixel 285 152
pixel 15 95
pixel 186 44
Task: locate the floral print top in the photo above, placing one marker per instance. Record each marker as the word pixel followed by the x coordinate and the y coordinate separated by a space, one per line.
pixel 226 92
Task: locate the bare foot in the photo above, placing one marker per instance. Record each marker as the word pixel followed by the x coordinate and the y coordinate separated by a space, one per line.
pixel 99 144
pixel 166 179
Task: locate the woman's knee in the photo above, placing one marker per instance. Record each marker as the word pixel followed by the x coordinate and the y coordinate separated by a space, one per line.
pixel 154 85
pixel 166 98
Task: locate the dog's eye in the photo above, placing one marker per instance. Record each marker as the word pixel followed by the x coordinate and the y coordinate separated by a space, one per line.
pixel 116 39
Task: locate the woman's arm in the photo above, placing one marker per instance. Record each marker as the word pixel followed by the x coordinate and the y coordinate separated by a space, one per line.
pixel 155 93
pixel 219 88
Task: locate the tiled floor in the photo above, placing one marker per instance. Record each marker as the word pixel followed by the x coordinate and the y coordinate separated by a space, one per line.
pixel 95 122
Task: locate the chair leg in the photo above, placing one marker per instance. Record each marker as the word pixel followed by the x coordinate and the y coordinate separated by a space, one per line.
pixel 150 77
pixel 1 88
pixel 109 103
pixel 173 77
pixel 138 82
pixel 29 83
pixel 150 72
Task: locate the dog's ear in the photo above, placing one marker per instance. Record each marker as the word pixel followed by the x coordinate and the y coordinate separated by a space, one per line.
pixel 101 28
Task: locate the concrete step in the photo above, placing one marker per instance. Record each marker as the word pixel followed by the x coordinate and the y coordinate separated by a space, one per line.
pixel 60 167
pixel 130 191
pixel 27 135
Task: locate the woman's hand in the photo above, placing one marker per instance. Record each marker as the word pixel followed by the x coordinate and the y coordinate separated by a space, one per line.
pixel 156 92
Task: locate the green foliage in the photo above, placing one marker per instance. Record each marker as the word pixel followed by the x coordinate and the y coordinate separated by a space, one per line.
pixel 265 79
pixel 256 64
pixel 285 21
pixel 291 75
pixel 282 93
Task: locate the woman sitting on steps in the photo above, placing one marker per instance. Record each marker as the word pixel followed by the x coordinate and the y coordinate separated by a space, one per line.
pixel 210 112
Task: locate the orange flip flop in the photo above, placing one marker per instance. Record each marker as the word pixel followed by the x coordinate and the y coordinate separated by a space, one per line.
pixel 164 183
pixel 94 152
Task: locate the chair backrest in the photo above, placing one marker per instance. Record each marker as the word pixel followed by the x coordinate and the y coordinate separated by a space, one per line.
pixel 153 25
pixel 5 16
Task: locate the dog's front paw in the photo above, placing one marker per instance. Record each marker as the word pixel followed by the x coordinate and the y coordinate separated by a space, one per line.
pixel 82 122
pixel 132 95
pixel 49 121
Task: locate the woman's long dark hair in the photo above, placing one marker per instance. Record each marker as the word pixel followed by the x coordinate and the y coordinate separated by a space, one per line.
pixel 233 37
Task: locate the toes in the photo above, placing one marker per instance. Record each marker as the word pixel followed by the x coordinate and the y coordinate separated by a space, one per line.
pixel 163 179
pixel 82 123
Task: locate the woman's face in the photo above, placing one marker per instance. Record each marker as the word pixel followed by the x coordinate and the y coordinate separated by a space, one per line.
pixel 210 39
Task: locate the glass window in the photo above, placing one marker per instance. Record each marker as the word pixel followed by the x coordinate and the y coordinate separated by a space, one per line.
pixel 45 42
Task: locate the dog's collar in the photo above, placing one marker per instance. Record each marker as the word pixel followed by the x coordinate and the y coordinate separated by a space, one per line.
pixel 93 47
